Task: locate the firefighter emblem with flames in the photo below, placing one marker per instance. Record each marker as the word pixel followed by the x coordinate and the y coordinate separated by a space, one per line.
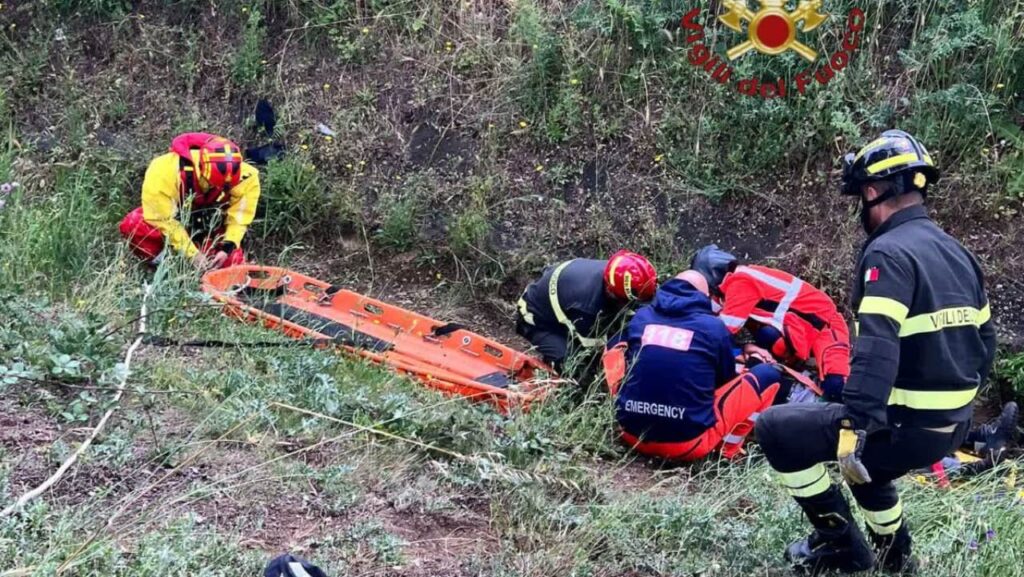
pixel 773 28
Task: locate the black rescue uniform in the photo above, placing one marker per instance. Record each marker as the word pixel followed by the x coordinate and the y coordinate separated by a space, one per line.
pixel 925 343
pixel 567 310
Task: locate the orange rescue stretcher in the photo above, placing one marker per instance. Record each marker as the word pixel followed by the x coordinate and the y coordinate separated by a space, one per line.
pixel 440 355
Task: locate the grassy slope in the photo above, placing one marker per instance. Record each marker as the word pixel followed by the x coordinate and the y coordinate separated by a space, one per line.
pixel 544 112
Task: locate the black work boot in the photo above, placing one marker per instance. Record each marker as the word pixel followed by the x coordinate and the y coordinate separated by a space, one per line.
pixel 991 440
pixel 894 555
pixel 836 544
pixel 999 433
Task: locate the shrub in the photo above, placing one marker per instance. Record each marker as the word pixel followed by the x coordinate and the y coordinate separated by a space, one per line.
pixel 398 227
pixel 247 66
pixel 52 238
pixel 293 199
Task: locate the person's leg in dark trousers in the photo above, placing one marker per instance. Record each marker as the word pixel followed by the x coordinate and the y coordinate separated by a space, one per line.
pixel 887 457
pixel 797 440
pixel 552 346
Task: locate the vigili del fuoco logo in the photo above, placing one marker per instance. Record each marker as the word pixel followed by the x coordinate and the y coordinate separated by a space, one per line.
pixel 772 29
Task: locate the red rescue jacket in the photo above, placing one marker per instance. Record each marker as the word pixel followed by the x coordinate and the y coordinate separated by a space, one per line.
pixel 805 315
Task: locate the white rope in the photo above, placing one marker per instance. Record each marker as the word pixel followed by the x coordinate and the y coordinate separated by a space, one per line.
pixel 70 461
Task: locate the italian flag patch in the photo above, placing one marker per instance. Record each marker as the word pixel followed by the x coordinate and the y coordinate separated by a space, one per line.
pixel 871 275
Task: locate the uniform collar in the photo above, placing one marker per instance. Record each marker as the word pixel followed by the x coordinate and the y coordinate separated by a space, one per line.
pixel 905 215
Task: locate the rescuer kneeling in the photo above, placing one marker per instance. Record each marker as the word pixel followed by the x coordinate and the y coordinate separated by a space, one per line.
pixel 681 397
pixel 925 345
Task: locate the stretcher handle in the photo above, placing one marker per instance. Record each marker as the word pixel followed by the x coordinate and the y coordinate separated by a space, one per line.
pixel 446 329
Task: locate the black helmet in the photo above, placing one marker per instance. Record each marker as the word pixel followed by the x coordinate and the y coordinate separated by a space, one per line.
pixel 892 154
pixel 714 263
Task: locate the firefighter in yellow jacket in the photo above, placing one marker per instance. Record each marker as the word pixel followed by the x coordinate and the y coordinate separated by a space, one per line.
pixel 199 198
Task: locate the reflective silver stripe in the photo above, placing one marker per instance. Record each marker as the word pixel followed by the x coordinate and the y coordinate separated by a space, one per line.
pixel 733 439
pixel 766 279
pixel 297 570
pixel 754 417
pixel 787 300
pixel 790 289
pixel 731 321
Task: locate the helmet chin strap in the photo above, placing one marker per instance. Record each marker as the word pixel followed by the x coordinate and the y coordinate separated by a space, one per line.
pixel 896 188
pixel 866 206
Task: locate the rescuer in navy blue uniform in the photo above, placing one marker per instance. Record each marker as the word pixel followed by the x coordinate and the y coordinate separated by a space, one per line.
pixel 924 346
pixel 575 304
pixel 681 398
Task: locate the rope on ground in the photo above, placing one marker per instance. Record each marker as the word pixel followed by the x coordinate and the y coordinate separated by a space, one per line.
pixel 71 460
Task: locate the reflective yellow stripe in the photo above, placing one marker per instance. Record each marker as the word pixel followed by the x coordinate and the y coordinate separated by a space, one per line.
pixel 806 483
pixel 945 319
pixel 891 162
pixel 524 312
pixel 928 159
pixel 560 314
pixel 932 400
pixel 984 315
pixel 878 142
pixel 891 308
pixel 885 522
pixel 611 271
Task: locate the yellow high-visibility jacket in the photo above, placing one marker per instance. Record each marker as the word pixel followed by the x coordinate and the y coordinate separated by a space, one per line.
pixel 162 200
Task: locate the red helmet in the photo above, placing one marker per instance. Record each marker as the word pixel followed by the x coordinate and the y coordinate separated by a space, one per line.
pixel 630 276
pixel 220 163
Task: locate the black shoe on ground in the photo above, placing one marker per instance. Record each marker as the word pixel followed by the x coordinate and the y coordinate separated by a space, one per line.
pixel 818 553
pixel 1001 432
pixel 894 552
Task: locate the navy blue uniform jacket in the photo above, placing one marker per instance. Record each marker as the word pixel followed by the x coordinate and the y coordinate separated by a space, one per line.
pixel 678 353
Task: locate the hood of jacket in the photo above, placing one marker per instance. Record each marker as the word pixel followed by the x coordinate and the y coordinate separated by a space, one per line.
pixel 679 298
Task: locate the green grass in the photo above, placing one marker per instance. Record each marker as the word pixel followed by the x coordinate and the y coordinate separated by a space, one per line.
pixel 376 472
pixel 248 60
pixel 558 494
